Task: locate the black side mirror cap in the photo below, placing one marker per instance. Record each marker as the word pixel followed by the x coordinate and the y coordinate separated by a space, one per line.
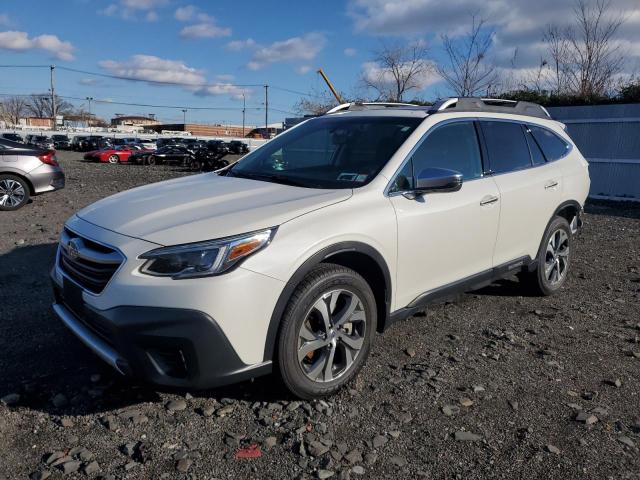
pixel 437 180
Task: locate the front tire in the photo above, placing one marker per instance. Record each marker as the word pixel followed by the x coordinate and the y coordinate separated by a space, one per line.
pixel 326 332
pixel 553 262
pixel 113 159
pixel 14 192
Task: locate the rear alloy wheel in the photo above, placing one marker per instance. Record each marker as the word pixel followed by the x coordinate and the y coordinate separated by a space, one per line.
pixel 326 332
pixel 554 260
pixel 113 158
pixel 14 192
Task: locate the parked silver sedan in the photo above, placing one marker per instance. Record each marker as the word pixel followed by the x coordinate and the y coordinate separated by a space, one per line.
pixel 26 170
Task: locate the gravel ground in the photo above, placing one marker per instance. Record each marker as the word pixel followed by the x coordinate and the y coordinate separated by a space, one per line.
pixel 493 385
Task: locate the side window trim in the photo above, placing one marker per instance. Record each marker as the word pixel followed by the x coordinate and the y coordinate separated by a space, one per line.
pixel 527 134
pixel 409 156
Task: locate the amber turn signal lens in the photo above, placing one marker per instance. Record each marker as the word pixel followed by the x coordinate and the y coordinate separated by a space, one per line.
pixel 243 249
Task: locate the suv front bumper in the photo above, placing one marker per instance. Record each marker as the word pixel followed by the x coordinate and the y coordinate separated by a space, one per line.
pixel 166 346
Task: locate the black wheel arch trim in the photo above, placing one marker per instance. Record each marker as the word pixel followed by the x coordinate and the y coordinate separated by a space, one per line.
pixel 533 265
pixel 568 203
pixel 317 258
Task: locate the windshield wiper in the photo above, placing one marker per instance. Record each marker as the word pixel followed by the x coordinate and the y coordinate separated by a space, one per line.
pixel 268 177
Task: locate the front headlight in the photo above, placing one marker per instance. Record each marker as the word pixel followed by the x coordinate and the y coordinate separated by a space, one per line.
pixel 204 259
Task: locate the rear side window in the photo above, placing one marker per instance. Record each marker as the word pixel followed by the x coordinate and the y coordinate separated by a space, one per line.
pixel 552 146
pixel 453 146
pixel 506 145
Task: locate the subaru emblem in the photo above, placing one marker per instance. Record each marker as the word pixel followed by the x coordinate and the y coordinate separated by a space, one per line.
pixel 73 248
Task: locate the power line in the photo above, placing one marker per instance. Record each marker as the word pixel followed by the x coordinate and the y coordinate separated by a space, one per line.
pixel 166 82
pixel 158 82
pixel 295 92
pixel 147 105
pixel 25 66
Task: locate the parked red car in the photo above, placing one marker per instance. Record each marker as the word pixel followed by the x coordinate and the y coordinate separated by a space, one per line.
pixel 111 155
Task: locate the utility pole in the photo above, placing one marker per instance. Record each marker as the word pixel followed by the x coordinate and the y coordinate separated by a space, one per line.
pixel 266 111
pixel 184 118
pixel 330 85
pixel 244 108
pixel 53 99
pixel 89 99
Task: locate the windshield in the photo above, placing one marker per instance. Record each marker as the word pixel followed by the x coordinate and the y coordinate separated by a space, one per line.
pixel 328 152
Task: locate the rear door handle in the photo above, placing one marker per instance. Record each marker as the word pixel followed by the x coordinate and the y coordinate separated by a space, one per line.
pixel 488 200
pixel 551 184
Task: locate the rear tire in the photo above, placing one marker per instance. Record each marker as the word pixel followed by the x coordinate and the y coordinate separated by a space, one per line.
pixel 113 159
pixel 553 261
pixel 326 332
pixel 14 192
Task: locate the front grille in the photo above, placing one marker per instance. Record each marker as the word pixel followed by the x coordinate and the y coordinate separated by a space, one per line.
pixel 88 263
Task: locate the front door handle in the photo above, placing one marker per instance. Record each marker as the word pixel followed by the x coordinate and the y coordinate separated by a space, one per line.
pixel 551 184
pixel 488 200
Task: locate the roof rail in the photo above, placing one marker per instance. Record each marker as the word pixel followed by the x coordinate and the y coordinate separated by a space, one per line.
pixel 368 105
pixel 496 105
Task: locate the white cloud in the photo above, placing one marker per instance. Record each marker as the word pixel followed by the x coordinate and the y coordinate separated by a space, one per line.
pixel 303 48
pixel 350 52
pixel 223 89
pixel 303 69
pixel 154 69
pixel 237 45
pixel 205 30
pixel 135 9
pixel 144 4
pixel 20 41
pixel 89 82
pixel 186 13
pixel 204 25
pixel 517 23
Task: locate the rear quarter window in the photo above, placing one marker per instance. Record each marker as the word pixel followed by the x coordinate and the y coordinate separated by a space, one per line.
pixel 551 144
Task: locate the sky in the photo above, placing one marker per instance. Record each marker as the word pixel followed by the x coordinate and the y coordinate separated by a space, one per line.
pixel 216 51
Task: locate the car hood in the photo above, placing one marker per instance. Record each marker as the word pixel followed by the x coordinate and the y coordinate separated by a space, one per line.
pixel 204 207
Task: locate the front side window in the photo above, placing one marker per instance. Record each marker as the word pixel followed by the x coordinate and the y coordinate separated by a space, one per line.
pixel 506 145
pixel 328 152
pixel 453 146
pixel 552 145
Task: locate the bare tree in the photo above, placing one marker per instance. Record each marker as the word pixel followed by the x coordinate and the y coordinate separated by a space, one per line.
pixel 467 69
pixel 40 106
pixel 13 109
pixel 585 56
pixel 397 70
pixel 316 103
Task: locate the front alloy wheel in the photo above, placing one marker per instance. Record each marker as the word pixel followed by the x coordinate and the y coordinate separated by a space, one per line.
pixel 331 336
pixel 326 331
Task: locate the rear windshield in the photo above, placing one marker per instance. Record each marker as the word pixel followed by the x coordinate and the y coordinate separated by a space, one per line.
pixel 328 152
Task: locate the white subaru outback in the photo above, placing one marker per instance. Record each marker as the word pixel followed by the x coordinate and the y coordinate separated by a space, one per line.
pixel 294 257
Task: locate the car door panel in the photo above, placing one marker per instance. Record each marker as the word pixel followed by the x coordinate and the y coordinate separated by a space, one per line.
pixel 529 193
pixel 444 237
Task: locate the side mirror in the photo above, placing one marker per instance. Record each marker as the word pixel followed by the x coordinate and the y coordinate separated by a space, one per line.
pixel 436 180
